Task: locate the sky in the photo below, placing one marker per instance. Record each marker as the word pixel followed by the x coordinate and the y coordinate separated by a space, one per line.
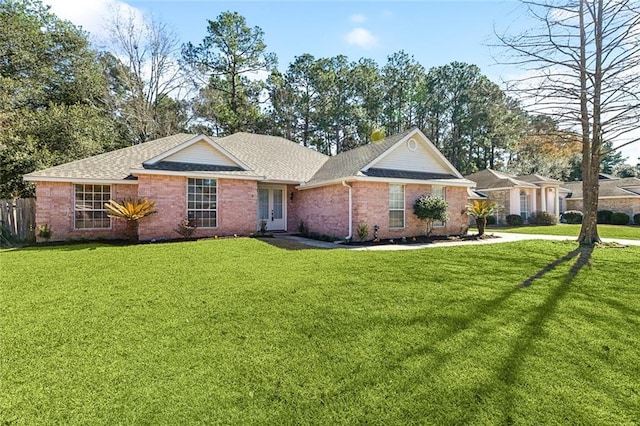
pixel 434 32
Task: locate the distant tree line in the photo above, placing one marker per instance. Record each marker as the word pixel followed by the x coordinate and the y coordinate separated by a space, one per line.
pixel 61 99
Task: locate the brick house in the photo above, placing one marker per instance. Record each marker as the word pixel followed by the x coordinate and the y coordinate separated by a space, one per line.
pixel 520 195
pixel 615 194
pixel 230 185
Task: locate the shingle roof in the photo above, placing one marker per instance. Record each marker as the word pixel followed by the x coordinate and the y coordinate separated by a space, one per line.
pixel 536 179
pixel 625 187
pixel 113 165
pixel 490 179
pixel 274 157
pixel 349 163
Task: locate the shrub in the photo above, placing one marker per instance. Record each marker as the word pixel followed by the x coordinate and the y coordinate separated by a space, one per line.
pixel 429 209
pixel 636 218
pixel 491 220
pixel 45 232
pixel 543 218
pixel 480 209
pixel 604 216
pixel 186 227
pixel 302 228
pixel 619 218
pixel 572 216
pixel 515 220
pixel 130 210
pixel 363 231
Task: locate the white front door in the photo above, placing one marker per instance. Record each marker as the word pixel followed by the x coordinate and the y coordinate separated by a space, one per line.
pixel 272 207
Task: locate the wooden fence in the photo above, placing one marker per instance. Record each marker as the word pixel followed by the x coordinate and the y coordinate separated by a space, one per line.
pixel 17 219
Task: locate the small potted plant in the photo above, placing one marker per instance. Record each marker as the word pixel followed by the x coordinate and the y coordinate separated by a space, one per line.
pixel 45 232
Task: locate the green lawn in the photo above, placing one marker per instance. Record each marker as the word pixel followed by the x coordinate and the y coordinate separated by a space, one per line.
pixel 605 231
pixel 242 332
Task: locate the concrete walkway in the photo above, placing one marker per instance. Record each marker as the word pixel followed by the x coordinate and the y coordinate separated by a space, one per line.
pixel 504 237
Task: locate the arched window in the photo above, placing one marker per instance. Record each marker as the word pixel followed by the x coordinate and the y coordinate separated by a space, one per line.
pixel 524 205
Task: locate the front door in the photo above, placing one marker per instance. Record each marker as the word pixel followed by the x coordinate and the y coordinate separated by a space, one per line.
pixel 271 207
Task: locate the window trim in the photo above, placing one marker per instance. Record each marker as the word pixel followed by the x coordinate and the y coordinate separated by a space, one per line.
pixel 439 224
pixel 526 210
pixel 403 210
pixel 103 209
pixel 201 210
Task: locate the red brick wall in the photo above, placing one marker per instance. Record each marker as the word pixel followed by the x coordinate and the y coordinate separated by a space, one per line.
pixel 371 206
pixel 237 207
pixel 54 205
pixel 325 209
pixel 293 205
pixel 629 205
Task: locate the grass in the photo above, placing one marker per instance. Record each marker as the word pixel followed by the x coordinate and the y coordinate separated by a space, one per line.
pixel 242 332
pixel 605 231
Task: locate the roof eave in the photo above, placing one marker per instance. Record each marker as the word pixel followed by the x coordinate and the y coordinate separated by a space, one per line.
pixel 68 179
pixel 200 174
pixel 460 182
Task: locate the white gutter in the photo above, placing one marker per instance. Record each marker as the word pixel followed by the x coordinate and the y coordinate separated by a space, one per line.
pixel 444 182
pixel 29 178
pixel 197 174
pixel 348 237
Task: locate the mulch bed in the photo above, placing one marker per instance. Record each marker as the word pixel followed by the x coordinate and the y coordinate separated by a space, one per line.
pixel 420 239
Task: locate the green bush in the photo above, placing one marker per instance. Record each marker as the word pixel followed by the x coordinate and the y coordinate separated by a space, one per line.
pixel 430 209
pixel 514 220
pixel 362 231
pixel 619 218
pixel 543 218
pixel 492 220
pixel 636 218
pixel 604 216
pixel 572 216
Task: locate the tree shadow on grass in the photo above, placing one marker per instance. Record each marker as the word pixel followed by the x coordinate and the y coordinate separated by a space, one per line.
pixel 533 329
pixel 509 368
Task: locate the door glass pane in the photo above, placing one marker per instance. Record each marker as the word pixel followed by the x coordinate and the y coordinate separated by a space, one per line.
pixel 263 204
pixel 277 204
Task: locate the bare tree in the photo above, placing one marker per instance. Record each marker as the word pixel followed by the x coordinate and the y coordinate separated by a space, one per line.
pixel 148 83
pixel 583 65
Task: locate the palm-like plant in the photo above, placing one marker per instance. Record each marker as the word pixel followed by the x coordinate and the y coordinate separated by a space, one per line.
pixel 481 209
pixel 130 210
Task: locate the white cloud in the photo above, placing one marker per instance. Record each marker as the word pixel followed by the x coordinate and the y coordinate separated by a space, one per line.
pixel 361 37
pixel 358 18
pixel 92 15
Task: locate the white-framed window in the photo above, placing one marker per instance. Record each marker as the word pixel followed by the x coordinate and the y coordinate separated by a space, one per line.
pixel 88 206
pixel 202 203
pixel 396 206
pixel 524 205
pixel 438 191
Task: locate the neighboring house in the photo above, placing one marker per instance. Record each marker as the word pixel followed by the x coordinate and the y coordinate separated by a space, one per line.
pixel 519 195
pixel 615 194
pixel 230 184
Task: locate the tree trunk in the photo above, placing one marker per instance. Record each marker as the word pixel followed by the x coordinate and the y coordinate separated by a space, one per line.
pixel 132 231
pixel 480 223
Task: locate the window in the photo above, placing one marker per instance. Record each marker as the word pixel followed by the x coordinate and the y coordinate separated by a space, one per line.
pixel 524 205
pixel 202 202
pixel 396 206
pixel 438 191
pixel 89 211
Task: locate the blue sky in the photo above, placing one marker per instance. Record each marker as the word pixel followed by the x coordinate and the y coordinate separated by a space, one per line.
pixel 434 32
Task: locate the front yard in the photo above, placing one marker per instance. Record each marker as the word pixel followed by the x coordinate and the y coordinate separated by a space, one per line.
pixel 238 331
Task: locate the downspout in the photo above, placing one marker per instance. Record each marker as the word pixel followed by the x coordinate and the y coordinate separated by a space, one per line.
pixel 348 237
